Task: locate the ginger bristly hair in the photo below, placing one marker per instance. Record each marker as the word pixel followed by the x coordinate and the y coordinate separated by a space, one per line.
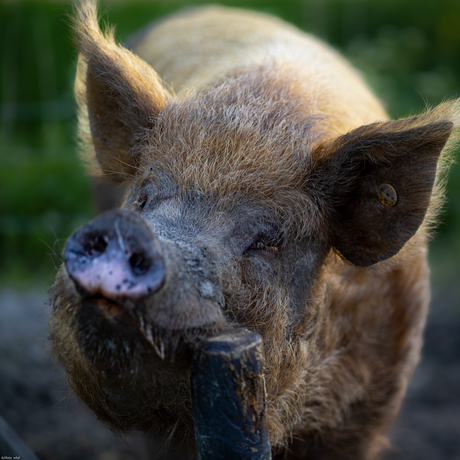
pixel 138 96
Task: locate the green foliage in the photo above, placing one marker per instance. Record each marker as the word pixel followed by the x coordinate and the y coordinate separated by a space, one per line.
pixel 408 51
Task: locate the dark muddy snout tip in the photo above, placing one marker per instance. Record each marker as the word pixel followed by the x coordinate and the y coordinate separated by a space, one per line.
pixel 115 255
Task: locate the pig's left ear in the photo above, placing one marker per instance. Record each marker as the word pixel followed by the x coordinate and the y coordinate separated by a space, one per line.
pixel 119 97
pixel 380 179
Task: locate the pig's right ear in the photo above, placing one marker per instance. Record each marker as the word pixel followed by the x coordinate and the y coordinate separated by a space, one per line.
pixel 119 97
pixel 381 181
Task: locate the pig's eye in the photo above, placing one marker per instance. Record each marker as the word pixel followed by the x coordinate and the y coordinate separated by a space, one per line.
pixel 260 245
pixel 140 203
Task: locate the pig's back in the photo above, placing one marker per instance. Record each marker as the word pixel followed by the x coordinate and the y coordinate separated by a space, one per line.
pixel 196 48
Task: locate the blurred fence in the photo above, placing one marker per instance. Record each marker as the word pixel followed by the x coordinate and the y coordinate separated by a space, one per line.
pixel 409 52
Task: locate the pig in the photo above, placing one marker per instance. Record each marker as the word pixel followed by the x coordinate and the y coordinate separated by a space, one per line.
pixel 267 190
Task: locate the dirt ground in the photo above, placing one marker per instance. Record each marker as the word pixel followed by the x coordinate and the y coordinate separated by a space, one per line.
pixel 36 401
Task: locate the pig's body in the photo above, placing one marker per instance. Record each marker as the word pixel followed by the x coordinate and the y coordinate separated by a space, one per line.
pixel 262 192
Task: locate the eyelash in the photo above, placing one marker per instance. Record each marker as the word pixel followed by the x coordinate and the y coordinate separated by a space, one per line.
pixel 259 245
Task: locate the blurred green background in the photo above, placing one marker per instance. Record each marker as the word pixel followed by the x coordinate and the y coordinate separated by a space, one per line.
pixel 409 52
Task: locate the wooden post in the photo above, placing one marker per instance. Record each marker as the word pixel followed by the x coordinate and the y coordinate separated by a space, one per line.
pixel 228 395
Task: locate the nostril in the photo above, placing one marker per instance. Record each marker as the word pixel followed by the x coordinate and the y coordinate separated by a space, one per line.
pixel 94 247
pixel 139 263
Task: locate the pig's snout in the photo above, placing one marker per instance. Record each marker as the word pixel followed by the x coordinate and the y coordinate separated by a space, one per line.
pixel 115 255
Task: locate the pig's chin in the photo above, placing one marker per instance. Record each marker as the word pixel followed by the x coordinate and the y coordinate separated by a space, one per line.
pixel 130 372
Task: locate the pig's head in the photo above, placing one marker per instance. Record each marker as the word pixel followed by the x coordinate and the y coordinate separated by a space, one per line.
pixel 243 200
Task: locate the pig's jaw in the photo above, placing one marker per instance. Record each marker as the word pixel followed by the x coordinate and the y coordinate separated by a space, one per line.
pixel 120 334
pixel 130 372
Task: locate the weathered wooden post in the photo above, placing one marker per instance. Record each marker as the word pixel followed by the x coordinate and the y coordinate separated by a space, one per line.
pixel 228 394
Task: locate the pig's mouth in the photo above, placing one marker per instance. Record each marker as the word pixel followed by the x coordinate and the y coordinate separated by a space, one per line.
pixel 111 331
pixel 109 308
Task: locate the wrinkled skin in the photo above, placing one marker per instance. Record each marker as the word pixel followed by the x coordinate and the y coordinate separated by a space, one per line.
pixel 253 202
